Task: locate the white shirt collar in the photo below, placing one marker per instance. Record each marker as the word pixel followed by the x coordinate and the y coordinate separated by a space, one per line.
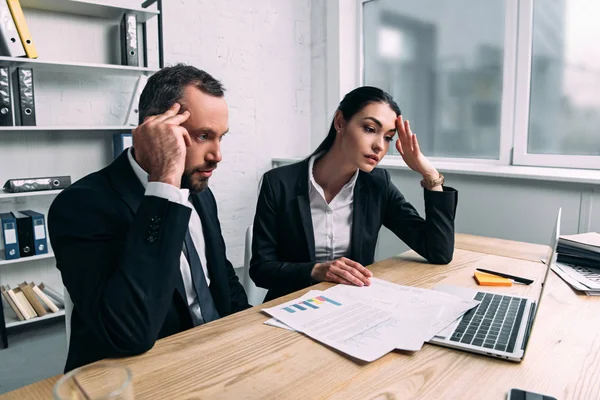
pixel 142 175
pixel 139 171
pixel 311 178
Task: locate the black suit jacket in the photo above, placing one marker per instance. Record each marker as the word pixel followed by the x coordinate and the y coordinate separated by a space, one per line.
pixel 283 244
pixel 119 254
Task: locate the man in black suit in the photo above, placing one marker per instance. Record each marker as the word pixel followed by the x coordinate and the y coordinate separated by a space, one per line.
pixel 139 243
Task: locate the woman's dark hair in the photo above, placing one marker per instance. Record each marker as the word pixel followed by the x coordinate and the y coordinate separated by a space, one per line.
pixel 353 103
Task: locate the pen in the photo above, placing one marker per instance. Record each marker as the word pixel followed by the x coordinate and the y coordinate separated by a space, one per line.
pixel 514 278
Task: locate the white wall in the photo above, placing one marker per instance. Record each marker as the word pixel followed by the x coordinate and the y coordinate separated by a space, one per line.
pixel 260 50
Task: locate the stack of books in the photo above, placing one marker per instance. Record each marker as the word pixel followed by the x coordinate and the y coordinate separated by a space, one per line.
pixel 29 300
pixel 578 261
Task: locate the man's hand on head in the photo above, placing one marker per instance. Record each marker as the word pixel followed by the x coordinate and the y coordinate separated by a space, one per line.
pixel 161 143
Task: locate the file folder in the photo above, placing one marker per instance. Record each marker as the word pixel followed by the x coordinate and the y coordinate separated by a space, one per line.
pixel 38 226
pixel 22 185
pixel 10 236
pixel 133 113
pixel 129 42
pixel 26 94
pixel 22 28
pixel 6 104
pixel 25 234
pixel 10 42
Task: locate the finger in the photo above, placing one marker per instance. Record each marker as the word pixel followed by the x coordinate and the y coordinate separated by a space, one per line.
pixel 353 275
pixel 399 125
pixel 186 138
pixel 178 119
pixel 347 276
pixel 150 118
pixel 416 144
pixel 409 135
pixel 399 146
pixel 401 128
pixel 171 112
pixel 356 265
pixel 332 277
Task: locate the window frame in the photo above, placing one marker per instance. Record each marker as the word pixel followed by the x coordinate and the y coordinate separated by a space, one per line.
pixel 521 136
pixel 516 80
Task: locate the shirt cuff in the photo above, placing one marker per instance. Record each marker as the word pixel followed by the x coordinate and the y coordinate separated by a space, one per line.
pixel 169 192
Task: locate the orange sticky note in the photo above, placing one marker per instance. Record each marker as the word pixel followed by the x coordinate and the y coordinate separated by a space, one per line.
pixel 484 279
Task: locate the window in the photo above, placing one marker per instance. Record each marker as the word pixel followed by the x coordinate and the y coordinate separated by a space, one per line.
pixel 564 107
pixel 442 61
pixel 478 78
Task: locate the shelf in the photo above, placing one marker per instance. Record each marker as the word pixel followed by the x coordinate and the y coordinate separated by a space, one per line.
pixel 7 195
pixel 73 66
pixel 24 259
pixel 88 8
pixel 106 128
pixel 12 321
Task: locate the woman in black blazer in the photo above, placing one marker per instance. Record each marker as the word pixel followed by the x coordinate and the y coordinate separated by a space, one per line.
pixel 319 219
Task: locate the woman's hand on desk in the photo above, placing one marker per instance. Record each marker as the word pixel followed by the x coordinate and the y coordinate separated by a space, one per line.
pixel 342 270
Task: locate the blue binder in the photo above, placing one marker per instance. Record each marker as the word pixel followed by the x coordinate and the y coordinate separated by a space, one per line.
pixel 9 236
pixel 38 221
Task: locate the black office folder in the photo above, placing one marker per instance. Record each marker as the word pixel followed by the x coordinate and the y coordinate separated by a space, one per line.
pixel 6 105
pixel 21 185
pixel 26 114
pixel 129 42
pixel 25 234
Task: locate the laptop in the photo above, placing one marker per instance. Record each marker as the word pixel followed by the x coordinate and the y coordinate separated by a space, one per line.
pixel 500 326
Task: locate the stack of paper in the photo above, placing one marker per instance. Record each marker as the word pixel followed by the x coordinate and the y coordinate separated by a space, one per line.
pixel 578 261
pixel 369 322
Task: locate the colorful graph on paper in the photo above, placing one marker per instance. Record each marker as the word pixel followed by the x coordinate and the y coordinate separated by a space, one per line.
pixel 309 304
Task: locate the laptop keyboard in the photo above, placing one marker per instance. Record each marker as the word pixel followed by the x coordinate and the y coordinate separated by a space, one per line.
pixel 493 324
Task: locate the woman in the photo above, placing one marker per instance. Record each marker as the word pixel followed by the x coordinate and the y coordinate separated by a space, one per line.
pixel 319 219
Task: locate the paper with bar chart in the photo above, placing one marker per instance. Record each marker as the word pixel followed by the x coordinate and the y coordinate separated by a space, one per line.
pixel 353 327
pixel 367 322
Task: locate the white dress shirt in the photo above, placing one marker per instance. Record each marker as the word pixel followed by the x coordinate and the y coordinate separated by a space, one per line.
pixel 181 196
pixel 332 223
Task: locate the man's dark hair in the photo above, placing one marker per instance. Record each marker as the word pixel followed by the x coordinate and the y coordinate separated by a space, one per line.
pixel 166 87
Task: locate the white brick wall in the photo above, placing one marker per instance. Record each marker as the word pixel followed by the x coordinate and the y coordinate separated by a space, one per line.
pixel 259 49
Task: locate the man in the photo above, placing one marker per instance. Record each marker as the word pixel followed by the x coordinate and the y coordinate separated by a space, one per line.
pixel 139 243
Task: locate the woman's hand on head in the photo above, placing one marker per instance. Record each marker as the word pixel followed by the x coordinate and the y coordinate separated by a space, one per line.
pixel 408 147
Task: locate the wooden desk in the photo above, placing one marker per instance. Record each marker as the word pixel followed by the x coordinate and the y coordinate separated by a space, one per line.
pixel 240 358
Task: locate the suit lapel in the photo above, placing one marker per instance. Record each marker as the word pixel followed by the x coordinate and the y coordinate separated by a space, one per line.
pixel 131 190
pixel 359 216
pixel 304 211
pixel 125 182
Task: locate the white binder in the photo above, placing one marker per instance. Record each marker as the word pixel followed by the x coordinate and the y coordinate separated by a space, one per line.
pixel 10 42
pixel 133 113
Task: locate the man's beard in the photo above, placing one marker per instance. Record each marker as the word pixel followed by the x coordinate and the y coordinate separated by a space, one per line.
pixel 194 183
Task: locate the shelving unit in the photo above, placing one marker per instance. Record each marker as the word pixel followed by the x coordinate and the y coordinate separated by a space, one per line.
pixel 24 259
pixel 49 65
pixel 89 8
pixel 7 195
pixel 12 321
pixel 112 13
pixel 63 128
